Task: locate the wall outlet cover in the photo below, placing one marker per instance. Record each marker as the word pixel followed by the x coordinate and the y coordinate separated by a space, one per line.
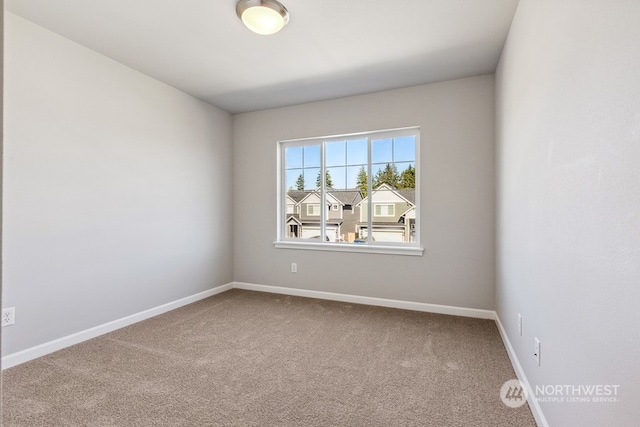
pixel 8 316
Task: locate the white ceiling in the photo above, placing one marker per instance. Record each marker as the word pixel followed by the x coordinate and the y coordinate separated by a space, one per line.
pixel 330 49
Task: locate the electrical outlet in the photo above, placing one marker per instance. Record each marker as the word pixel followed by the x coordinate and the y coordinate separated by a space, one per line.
pixel 520 324
pixel 294 267
pixel 8 316
pixel 536 350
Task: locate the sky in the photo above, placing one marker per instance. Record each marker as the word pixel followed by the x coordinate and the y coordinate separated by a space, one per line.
pixel 345 158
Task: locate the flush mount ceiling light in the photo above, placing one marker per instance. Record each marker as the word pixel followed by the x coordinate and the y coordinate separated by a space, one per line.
pixel 263 16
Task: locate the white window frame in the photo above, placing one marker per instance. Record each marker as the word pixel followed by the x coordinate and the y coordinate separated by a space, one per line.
pixel 370 246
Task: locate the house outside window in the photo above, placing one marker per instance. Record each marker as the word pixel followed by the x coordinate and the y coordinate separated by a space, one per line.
pixel 313 210
pixel 373 176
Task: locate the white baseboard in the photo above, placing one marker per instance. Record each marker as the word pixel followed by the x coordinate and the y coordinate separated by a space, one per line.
pixel 536 410
pixel 381 302
pixel 23 356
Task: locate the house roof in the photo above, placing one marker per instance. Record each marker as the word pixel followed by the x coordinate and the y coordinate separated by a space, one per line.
pixel 330 198
pixel 409 194
pixel 297 196
pixel 293 218
pixel 347 197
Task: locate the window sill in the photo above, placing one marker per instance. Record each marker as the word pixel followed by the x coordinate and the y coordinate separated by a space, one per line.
pixel 350 247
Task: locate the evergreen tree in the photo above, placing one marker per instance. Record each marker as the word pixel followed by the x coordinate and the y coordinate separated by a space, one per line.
pixel 361 182
pixel 388 175
pixel 408 178
pixel 327 180
pixel 300 183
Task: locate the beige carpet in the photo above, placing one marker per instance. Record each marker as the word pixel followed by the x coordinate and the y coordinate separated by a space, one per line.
pixel 254 359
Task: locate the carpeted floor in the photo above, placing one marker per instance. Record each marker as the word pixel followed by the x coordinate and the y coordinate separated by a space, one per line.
pixel 254 359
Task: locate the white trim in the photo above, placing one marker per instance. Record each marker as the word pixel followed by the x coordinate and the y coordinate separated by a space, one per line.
pixel 413 131
pixel 536 410
pixel 402 131
pixel 351 247
pixel 281 205
pixel 380 302
pixel 40 350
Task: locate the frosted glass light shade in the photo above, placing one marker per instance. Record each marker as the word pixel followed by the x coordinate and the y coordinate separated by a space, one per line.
pixel 264 17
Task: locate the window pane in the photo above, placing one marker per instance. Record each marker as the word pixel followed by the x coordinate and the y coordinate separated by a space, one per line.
pixel 385 174
pixel 292 223
pixel 407 175
pixel 384 209
pixel 311 178
pixel 357 177
pixel 313 210
pixel 293 157
pixel 357 152
pixel 335 153
pixel 363 218
pixel 382 150
pixel 312 156
pixel 343 218
pixel 294 179
pixel 337 178
pixel 388 224
pixel 333 219
pixel 377 168
pixel 310 214
pixel 404 149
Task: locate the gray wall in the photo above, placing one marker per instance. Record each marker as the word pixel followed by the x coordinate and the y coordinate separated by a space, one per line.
pixel 568 135
pixel 457 191
pixel 117 189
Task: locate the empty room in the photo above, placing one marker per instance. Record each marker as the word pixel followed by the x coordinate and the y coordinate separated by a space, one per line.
pixel 320 213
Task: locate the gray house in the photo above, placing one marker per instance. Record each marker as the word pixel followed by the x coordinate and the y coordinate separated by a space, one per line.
pixel 394 214
pixel 341 213
pixel 346 213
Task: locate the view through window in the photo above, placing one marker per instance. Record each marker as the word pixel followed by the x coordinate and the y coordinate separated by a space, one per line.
pixel 358 189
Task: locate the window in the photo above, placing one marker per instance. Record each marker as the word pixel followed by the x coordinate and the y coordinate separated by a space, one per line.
pixel 374 175
pixel 384 210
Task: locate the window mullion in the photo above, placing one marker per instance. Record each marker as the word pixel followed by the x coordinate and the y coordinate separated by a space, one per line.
pixel 369 192
pixel 282 214
pixel 323 195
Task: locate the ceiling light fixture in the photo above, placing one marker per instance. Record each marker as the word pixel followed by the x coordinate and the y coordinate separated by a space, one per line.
pixel 263 16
